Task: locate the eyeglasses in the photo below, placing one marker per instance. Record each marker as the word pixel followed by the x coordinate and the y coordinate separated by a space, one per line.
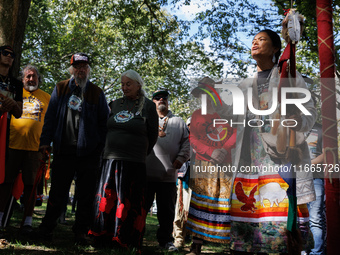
pixel 6 53
pixel 157 98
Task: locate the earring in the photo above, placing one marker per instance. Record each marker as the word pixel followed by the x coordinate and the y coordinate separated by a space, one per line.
pixel 274 59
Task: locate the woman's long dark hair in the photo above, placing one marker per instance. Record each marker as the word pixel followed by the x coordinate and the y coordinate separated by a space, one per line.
pixel 276 41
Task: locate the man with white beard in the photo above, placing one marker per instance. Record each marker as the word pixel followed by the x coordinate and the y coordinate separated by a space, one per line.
pixel 23 148
pixel 75 122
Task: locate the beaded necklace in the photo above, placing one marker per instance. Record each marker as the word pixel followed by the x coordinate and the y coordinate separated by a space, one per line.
pixel 162 128
pixel 4 79
pixel 127 104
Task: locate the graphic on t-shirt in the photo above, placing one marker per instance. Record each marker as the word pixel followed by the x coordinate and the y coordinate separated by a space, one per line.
pixel 263 96
pixel 123 116
pixel 74 103
pixel 4 90
pixel 32 108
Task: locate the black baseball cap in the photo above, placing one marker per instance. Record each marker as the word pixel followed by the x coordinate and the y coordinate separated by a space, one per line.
pixel 80 58
pixel 160 92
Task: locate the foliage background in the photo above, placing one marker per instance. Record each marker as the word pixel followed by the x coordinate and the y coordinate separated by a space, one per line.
pixel 143 35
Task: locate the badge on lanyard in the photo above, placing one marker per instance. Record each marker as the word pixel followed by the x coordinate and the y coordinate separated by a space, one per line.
pixel 74 103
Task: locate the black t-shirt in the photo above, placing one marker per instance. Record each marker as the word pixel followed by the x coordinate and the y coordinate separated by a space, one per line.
pixel 263 81
pixel 71 126
pixel 12 88
pixel 130 133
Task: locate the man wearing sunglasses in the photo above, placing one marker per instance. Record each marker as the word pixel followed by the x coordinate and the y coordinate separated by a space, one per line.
pixel 170 152
pixel 10 88
pixel 10 104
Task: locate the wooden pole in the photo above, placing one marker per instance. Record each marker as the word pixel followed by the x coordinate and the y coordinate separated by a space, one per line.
pixel 329 122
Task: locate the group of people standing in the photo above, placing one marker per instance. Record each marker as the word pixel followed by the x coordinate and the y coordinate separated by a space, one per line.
pixel 106 149
pixel 125 156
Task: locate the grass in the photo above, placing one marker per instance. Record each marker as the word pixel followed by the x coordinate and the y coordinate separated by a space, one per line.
pixel 63 239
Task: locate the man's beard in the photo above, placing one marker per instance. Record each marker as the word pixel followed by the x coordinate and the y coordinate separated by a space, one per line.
pixel 31 88
pixel 162 108
pixel 81 82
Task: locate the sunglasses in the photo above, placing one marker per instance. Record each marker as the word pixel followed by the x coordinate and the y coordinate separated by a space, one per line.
pixel 157 98
pixel 6 53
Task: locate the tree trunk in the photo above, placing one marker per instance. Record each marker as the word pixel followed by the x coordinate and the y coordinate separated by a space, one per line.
pixel 329 123
pixel 13 16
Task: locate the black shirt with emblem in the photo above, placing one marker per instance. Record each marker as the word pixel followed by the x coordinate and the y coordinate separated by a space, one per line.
pixel 11 87
pixel 71 127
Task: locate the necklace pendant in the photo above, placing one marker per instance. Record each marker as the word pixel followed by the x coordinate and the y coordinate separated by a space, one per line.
pixel 161 133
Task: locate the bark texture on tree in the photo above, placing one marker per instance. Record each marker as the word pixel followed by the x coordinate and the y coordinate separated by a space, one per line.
pixel 13 16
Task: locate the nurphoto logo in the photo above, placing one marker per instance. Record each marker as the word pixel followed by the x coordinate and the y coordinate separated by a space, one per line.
pixel 238 104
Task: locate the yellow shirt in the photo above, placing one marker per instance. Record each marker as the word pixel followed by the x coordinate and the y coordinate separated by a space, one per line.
pixel 25 132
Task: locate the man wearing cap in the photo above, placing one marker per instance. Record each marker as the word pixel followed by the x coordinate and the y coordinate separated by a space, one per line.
pixel 75 122
pixel 23 148
pixel 10 104
pixel 170 152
